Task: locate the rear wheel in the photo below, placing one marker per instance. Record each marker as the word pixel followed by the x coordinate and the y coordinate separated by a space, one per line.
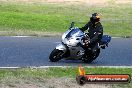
pixel 55 55
pixel 96 54
pixel 89 58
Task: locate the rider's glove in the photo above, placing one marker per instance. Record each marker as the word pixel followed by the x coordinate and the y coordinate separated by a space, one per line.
pixel 86 42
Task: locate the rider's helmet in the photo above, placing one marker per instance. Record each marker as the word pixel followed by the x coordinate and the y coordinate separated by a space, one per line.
pixel 95 18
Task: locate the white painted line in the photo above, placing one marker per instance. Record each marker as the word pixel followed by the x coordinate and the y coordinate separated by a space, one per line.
pixel 83 66
pixel 109 66
pixel 20 36
pixel 33 67
pixel 116 37
pixel 56 66
pixel 9 67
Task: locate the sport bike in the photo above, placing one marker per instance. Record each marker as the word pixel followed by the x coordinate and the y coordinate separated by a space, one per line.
pixel 71 46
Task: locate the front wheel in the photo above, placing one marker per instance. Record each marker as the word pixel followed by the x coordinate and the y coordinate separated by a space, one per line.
pixel 89 58
pixel 55 55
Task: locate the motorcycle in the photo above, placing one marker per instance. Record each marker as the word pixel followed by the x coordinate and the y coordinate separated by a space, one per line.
pixel 71 46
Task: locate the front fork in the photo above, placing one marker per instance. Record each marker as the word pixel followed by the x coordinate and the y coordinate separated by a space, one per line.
pixel 64 48
pixel 61 47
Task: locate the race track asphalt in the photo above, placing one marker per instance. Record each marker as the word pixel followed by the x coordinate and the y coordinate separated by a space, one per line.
pixel 34 51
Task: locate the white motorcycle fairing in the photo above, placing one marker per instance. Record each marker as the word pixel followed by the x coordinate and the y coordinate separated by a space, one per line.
pixel 70 41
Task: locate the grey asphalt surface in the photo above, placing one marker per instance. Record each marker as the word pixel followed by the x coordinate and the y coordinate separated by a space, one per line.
pixel 34 51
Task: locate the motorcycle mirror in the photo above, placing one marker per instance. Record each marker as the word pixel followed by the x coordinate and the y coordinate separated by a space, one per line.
pixel 72 24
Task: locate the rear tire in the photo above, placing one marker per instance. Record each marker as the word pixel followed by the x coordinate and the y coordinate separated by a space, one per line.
pixel 96 54
pixel 55 55
pixel 90 58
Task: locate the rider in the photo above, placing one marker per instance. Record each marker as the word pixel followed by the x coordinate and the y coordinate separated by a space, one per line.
pixel 95 31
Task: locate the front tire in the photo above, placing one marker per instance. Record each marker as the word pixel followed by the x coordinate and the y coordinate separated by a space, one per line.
pixel 55 55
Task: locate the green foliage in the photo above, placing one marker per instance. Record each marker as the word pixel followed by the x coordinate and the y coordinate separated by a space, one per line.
pixel 116 19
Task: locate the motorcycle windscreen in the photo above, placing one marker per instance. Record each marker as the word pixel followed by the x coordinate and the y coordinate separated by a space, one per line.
pixel 76 32
pixel 105 39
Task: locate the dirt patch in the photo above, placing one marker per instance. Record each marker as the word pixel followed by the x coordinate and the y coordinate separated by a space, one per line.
pixel 123 1
pixel 85 2
pixel 50 83
pixel 96 2
pixel 71 83
pixel 88 2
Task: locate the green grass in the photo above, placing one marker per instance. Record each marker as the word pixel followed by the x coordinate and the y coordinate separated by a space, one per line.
pixel 69 72
pixel 60 72
pixel 27 18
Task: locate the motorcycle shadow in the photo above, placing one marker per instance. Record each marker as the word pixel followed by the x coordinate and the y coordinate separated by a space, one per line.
pixel 76 62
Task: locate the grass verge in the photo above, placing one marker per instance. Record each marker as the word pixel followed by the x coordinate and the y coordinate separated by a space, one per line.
pixel 40 18
pixel 39 76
